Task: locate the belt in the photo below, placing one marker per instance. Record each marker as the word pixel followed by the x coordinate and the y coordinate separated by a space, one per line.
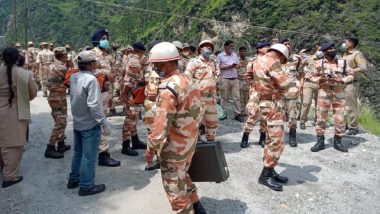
pixel 230 78
pixel 352 82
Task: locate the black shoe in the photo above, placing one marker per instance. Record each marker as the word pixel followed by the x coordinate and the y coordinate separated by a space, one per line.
pixel 239 118
pixel 244 140
pixel 51 152
pixel 62 147
pixel 6 184
pixel 293 137
pixel 202 129
pixel 45 94
pixel 72 184
pixel 302 126
pixel 320 145
pixel 338 144
pixel 84 191
pixel 112 113
pixel 127 150
pixel 155 165
pixel 198 208
pixel 262 139
pixel 106 160
pixel 279 178
pixel 137 144
pixel 352 131
pixel 266 178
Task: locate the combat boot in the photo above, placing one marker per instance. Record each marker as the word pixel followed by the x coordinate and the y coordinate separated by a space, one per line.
pixel 62 147
pixel 279 178
pixel 136 143
pixel 338 144
pixel 266 178
pixel 262 139
pixel 293 137
pixel 320 145
pixel 127 150
pixel 155 165
pixel 105 159
pixel 302 126
pixel 198 208
pixel 51 152
pixel 244 140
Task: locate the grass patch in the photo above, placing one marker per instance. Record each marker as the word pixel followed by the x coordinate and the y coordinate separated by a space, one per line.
pixel 368 120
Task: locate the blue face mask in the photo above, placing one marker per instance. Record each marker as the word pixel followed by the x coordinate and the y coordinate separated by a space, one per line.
pixel 104 44
pixel 159 72
pixel 206 53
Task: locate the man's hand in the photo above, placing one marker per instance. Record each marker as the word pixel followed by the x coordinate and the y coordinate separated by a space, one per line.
pixel 149 155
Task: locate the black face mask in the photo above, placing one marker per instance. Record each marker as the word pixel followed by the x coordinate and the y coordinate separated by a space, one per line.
pixel 331 54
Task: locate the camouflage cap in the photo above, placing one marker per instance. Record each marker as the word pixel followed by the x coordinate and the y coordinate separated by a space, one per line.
pixel 86 56
pixel 60 50
pixel 51 44
pixel 129 47
pixel 67 46
pixel 17 44
pixel 43 43
pixel 30 43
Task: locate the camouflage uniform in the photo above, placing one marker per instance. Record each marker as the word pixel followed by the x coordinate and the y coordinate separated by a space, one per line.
pixel 104 66
pixel 331 93
pixel 244 86
pixel 205 74
pixel 252 107
pixel 31 58
pixel 152 80
pixel 174 137
pixel 45 58
pixel 356 61
pixel 310 89
pixel 270 86
pixel 118 71
pixel 292 70
pixel 57 100
pixel 182 64
pixel 133 74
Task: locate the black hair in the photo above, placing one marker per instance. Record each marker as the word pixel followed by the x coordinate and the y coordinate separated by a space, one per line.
pixel 21 61
pixel 228 42
pixel 217 53
pixel 192 48
pixel 354 41
pixel 10 56
pixel 242 48
pixel 82 65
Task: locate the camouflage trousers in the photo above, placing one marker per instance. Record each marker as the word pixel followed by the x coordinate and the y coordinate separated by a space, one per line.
pixel 131 118
pixel 253 111
pixel 115 95
pixel 352 108
pixel 330 97
pixel 58 105
pixel 44 77
pixel 104 144
pixel 244 93
pixel 149 116
pixel 273 118
pixel 291 112
pixel 178 186
pixel 209 116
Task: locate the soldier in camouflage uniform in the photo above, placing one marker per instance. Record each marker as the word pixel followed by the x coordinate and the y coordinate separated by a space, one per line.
pixel 182 62
pixel 356 60
pixel 44 59
pixel 244 87
pixel 31 57
pixel 331 74
pixel 104 66
pixel 175 129
pixel 253 102
pixel 294 72
pixel 271 85
pixel 134 73
pixel 58 104
pixel 205 73
pixel 118 64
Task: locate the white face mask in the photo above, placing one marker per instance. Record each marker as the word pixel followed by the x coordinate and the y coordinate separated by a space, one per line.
pixel 344 47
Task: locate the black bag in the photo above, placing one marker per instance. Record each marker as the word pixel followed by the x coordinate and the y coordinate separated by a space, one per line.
pixel 208 163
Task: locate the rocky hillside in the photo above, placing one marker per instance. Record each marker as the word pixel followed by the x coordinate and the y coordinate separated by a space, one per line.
pixel 307 23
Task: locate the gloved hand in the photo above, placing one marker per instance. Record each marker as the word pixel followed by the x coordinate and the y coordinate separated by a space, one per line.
pixel 106 128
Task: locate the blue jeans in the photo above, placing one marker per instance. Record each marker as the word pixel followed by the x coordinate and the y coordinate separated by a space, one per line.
pixel 86 149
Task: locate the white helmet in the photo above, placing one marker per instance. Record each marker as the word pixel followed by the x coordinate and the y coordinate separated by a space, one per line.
pixel 178 44
pixel 206 42
pixel 163 52
pixel 280 48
